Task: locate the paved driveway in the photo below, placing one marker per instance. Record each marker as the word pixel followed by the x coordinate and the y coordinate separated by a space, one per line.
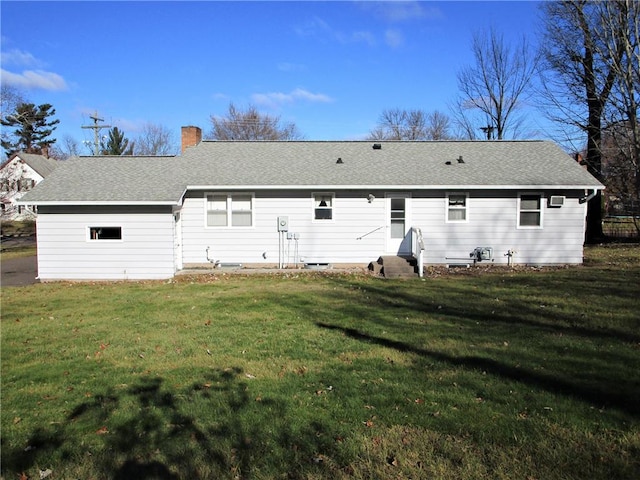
pixel 19 271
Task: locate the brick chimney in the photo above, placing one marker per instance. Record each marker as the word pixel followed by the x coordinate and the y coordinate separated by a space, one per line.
pixel 191 136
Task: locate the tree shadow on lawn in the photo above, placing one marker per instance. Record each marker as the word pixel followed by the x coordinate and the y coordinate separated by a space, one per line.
pixel 602 394
pixel 146 431
pixel 472 301
pixel 469 309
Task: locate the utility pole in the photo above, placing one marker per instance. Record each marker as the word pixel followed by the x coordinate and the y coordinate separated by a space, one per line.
pixel 96 131
pixel 488 130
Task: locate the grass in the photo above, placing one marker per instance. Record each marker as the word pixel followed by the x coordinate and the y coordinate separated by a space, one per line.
pixel 18 251
pixel 13 248
pixel 481 374
pixel 15 228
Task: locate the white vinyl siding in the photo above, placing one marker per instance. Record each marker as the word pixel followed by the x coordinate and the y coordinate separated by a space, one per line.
pixel 331 241
pixel 151 247
pixel 358 235
pixel 146 250
pixel 494 224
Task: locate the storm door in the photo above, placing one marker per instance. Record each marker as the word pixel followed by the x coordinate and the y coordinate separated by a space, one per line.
pixel 398 222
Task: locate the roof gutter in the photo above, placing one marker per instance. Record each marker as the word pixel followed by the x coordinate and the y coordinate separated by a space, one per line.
pixel 99 202
pixel 389 187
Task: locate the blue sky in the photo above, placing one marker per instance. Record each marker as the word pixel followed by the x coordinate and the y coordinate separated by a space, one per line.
pixel 329 67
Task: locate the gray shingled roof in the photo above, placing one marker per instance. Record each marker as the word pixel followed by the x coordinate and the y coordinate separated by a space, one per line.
pixel 41 164
pixel 117 180
pixel 504 163
pixel 496 164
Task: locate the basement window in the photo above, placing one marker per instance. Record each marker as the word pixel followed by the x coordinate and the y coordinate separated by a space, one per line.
pixel 105 233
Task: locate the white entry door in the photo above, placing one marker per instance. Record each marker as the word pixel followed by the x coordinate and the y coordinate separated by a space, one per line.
pixel 398 222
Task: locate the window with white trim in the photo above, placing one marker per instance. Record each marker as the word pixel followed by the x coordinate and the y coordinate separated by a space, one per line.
pixel 457 207
pixel 105 233
pixel 229 209
pixel 530 210
pixel 323 206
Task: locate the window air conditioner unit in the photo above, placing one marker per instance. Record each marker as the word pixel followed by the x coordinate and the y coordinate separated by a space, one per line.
pixel 556 201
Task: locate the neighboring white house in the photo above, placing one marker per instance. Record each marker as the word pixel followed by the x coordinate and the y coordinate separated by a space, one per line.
pixel 19 174
pixel 285 204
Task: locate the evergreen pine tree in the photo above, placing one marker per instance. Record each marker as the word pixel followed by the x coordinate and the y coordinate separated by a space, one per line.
pixel 33 127
pixel 117 144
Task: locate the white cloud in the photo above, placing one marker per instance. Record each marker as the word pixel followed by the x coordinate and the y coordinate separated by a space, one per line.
pixel 400 11
pixel 220 97
pixel 19 58
pixel 34 79
pixel 393 38
pixel 275 99
pixel 365 37
pixel 315 28
pixel 127 126
pixel 318 28
pixel 299 93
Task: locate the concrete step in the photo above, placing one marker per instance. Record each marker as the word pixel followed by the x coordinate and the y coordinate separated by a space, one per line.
pixel 394 266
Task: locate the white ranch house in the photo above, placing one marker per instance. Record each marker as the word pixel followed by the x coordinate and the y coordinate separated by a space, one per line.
pixel 310 203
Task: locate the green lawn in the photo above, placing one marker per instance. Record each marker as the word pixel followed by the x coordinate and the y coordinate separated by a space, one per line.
pixel 17 249
pixel 478 374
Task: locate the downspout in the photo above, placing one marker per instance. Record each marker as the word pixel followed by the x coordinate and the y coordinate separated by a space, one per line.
pixel 583 200
pixel 588 197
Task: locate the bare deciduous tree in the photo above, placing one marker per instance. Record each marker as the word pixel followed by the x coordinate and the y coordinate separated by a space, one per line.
pixel 10 98
pixel 397 124
pixel 438 126
pixel 251 125
pixel 155 139
pixel 68 147
pixel 620 30
pixel 581 54
pixel 493 89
